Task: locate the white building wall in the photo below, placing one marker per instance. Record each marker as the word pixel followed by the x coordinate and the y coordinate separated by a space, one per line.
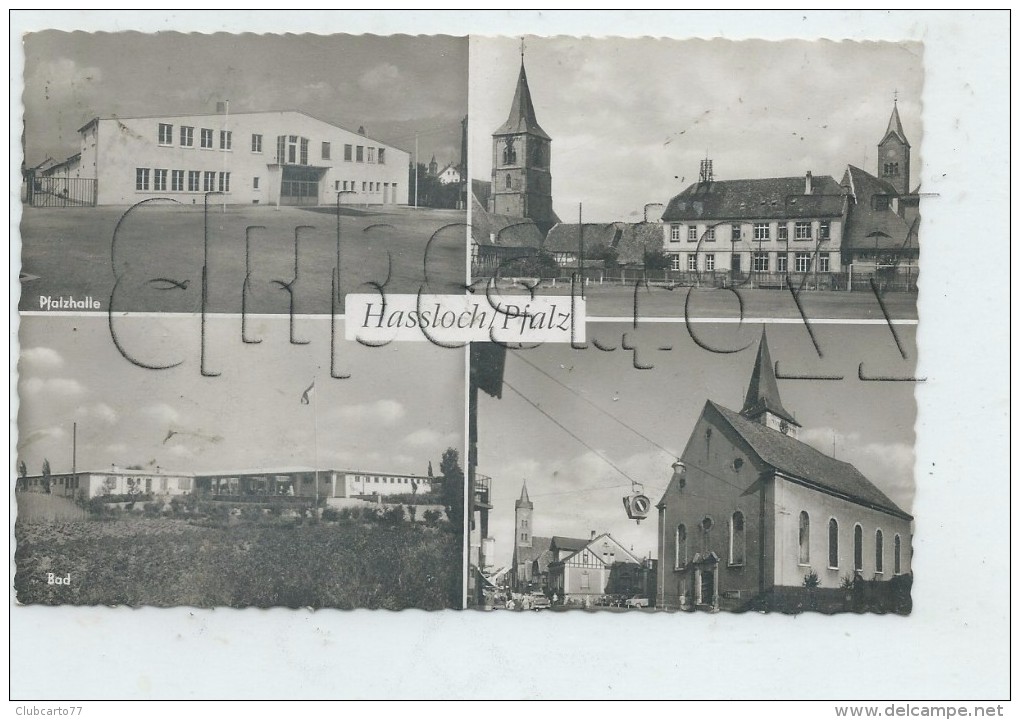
pixel 364 483
pixel 792 498
pixel 126 144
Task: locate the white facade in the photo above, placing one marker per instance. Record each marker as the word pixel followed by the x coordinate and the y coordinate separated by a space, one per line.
pixel 261 158
pixel 768 246
pixel 91 484
pixel 350 483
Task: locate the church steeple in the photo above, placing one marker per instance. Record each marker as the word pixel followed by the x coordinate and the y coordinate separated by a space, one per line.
pixel 521 150
pixel 522 112
pixel 524 501
pixel 894 154
pixel 762 402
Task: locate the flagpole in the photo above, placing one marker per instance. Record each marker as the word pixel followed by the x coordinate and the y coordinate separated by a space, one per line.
pixel 315 447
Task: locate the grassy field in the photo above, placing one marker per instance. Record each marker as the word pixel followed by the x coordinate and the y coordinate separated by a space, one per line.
pixel 165 561
pixel 657 301
pixel 70 252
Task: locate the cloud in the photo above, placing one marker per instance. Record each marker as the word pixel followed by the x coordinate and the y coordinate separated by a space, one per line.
pixel 382 75
pixel 161 413
pixel 427 437
pixel 380 412
pixel 41 358
pixel 59 387
pixel 100 411
pixel 115 449
pixel 48 433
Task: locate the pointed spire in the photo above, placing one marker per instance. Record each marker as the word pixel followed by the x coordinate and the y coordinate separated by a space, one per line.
pixel 524 501
pixel 763 390
pixel 895 126
pixel 522 112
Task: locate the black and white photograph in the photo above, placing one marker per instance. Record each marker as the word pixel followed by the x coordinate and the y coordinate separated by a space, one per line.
pixel 710 467
pixel 698 164
pixel 509 354
pixel 266 474
pixel 244 175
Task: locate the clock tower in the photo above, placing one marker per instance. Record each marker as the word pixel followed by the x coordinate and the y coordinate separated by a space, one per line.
pixel 762 403
pixel 894 155
pixel 521 178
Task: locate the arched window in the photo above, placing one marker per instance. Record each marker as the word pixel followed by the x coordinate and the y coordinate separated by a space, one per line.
pixel 805 538
pixel 737 538
pixel 509 153
pixel 508 184
pixel 896 555
pixel 833 543
pixel 878 551
pixel 681 545
pixel 858 548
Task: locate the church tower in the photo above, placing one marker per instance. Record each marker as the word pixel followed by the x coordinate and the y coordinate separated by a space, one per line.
pixel 762 403
pixel 521 181
pixel 894 155
pixel 522 519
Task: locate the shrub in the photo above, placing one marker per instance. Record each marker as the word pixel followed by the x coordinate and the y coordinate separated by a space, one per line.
pixel 152 509
pixel 394 515
pixel 811 579
pixel 251 513
pixel 331 514
pixel 412 511
pixel 432 518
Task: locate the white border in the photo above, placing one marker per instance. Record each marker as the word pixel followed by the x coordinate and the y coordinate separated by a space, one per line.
pixel 953 646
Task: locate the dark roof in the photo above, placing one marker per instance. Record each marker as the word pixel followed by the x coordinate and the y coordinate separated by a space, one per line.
pixel 763 391
pixel 543 561
pixel 639 238
pixel 630 240
pixel 539 545
pixel 489 229
pixel 522 112
pixel 481 189
pixel 895 127
pixel 757 199
pixel 803 463
pixel 870 229
pixel 568 543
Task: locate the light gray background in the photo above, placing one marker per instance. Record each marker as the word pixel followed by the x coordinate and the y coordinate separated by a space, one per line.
pixel 954 645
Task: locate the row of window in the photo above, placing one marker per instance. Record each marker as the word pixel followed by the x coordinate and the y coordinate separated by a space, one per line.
pixel 385 480
pixel 761 231
pixel 291 149
pixel 366 186
pixel 805 551
pixel 737 544
pixel 760 262
pixel 155 180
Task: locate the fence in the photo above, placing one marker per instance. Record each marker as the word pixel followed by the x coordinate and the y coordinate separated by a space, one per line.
pixel 62 192
pixel 40 507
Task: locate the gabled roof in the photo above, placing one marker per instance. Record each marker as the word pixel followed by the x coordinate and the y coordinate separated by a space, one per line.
pixel 564 237
pixel 756 199
pixel 490 229
pixel 763 390
pixel 870 229
pixel 524 501
pixel 585 544
pixel 568 543
pixel 539 545
pixel 803 464
pixel 895 127
pixel 522 112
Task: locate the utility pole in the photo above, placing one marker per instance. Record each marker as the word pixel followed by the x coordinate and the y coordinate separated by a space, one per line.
pixel 416 168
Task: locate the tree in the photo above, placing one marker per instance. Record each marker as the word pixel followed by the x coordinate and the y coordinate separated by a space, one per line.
pixel 46 475
pixel 453 487
pixel 22 469
pixel 608 255
pixel 656 260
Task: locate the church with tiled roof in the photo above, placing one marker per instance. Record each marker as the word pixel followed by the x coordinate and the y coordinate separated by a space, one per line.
pixel 754 518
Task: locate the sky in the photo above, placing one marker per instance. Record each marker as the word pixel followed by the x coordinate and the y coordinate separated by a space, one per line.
pixel 630 119
pixel 382 419
pixel 635 423
pixel 393 86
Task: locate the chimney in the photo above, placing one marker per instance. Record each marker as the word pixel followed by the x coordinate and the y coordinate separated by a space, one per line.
pixel 361 129
pixel 592 535
pixel 807 183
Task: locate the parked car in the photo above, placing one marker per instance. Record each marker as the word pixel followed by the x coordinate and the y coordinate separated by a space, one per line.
pixel 540 601
pixel 638 601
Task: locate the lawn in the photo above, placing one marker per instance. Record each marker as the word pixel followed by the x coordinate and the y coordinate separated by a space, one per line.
pixel 656 301
pixel 166 561
pixel 159 252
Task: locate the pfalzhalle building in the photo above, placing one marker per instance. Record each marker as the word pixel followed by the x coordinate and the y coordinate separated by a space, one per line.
pixel 252 158
pixel 754 518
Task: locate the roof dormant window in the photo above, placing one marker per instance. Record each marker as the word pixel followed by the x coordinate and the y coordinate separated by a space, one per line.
pixel 166 134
